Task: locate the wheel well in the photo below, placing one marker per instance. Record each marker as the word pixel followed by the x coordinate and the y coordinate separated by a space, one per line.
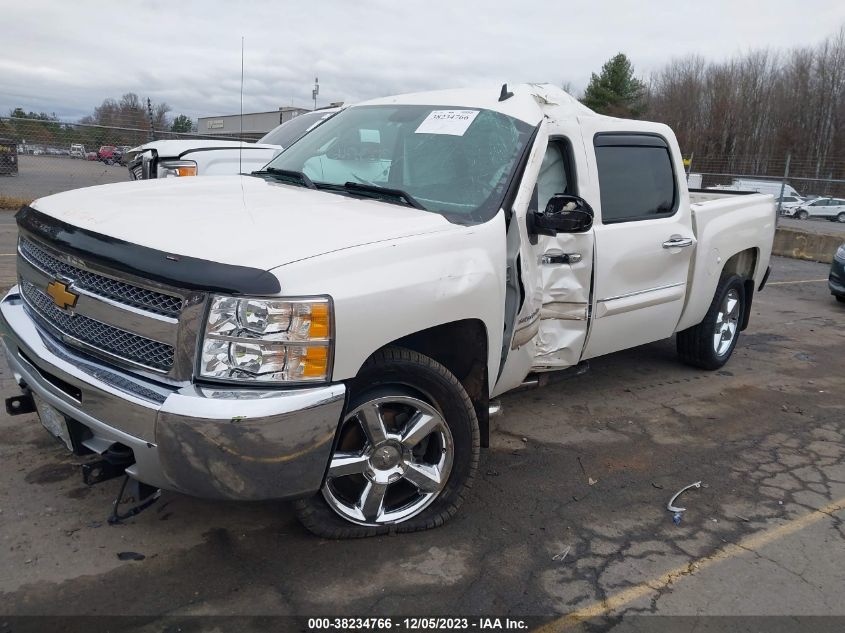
pixel 744 264
pixel 461 347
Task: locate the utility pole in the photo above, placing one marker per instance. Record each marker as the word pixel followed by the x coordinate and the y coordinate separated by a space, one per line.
pixel 315 91
pixel 150 114
pixel 783 182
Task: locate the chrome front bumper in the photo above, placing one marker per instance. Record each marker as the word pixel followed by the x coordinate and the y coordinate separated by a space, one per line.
pixel 209 442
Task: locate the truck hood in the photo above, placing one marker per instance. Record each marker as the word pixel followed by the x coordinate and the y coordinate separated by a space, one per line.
pixel 241 220
pixel 174 149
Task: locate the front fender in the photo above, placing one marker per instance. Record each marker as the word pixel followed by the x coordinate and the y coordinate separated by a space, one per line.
pixel 387 290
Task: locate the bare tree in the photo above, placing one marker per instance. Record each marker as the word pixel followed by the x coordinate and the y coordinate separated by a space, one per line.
pixel 746 114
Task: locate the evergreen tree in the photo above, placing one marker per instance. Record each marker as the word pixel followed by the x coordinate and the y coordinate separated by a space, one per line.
pixel 182 124
pixel 616 91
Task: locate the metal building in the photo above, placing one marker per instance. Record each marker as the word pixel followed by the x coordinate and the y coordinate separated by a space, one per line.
pixel 255 124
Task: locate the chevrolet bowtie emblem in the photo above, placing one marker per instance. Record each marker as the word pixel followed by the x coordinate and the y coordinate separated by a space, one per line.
pixel 60 295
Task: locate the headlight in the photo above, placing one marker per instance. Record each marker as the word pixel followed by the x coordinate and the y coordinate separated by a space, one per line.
pixel 840 253
pixel 174 168
pixel 267 340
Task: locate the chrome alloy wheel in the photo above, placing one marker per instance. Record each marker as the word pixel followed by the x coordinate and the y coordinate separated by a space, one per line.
pixel 727 323
pixel 393 457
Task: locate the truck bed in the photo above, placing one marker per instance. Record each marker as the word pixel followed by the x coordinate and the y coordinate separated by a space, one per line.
pixel 736 221
pixel 703 195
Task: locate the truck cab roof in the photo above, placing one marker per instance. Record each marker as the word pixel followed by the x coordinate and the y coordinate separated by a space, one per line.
pixel 527 102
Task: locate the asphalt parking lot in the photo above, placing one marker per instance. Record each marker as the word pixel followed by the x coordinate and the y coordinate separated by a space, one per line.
pixel 814 225
pixel 43 175
pixel 567 518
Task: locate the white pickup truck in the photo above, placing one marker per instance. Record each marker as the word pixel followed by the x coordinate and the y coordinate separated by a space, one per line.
pixel 209 157
pixel 334 328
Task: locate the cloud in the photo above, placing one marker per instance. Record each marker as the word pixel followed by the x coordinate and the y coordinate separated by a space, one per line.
pixel 67 57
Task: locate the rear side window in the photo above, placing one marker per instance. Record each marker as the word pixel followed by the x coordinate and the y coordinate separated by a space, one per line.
pixel 636 177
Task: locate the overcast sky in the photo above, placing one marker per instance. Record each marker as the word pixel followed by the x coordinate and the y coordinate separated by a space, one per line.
pixel 66 57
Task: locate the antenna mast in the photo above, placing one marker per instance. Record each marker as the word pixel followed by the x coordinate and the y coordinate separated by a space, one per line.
pixel 241 135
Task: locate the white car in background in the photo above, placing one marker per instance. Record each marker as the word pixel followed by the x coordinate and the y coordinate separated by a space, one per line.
pixel 204 157
pixel 832 209
pixel 789 203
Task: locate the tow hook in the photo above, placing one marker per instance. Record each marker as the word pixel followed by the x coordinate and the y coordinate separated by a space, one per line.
pixel 18 405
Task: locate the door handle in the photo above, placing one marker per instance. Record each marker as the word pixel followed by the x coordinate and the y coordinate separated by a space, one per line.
pixel 676 241
pixel 565 258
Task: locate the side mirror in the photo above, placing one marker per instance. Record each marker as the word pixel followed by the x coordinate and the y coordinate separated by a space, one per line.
pixel 563 214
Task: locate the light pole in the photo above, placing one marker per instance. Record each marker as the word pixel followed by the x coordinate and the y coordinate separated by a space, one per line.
pixel 315 91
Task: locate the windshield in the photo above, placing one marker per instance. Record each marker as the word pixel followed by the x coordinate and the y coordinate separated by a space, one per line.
pixel 290 131
pixel 453 161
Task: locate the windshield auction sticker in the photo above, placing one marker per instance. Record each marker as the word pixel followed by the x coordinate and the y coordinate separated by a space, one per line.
pixel 454 122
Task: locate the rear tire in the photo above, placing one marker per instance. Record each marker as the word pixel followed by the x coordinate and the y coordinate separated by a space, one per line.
pixel 840 217
pixel 710 344
pixel 386 460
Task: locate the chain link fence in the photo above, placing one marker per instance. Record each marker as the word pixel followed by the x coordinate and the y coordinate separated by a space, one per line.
pixel 40 157
pixel 804 189
pixel 807 177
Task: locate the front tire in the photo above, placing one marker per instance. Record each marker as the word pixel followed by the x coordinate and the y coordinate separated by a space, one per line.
pixel 802 215
pixel 710 344
pixel 405 454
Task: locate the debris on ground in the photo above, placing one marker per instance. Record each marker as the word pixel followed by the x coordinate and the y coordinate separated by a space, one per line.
pixel 671 507
pixel 590 480
pixel 130 556
pixel 562 555
pixel 656 485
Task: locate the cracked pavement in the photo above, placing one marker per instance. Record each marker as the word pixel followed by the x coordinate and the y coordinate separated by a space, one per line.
pixel 766 435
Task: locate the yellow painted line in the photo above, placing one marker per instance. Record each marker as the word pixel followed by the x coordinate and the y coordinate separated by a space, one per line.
pixel 731 550
pixel 8 254
pixel 803 281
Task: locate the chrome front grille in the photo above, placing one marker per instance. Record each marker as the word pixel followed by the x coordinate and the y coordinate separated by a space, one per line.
pixel 131 322
pixel 98 335
pixel 156 302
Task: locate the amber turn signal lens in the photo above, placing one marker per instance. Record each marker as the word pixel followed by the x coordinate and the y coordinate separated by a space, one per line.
pixel 319 320
pixel 316 362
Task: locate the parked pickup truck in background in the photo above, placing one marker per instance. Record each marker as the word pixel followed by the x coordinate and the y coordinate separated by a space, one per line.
pixel 333 328
pixel 204 157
